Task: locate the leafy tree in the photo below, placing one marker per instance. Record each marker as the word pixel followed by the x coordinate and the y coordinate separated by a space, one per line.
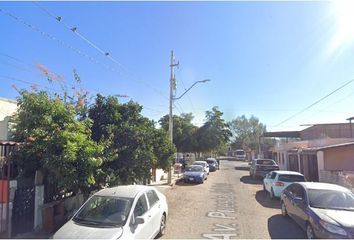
pixel 133 144
pixel 215 133
pixel 183 131
pixel 55 142
pixel 247 132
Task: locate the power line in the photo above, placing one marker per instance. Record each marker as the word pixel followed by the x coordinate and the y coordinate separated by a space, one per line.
pixel 76 31
pixel 321 99
pixel 36 73
pixel 23 22
pixel 189 99
pixel 26 82
pixel 95 46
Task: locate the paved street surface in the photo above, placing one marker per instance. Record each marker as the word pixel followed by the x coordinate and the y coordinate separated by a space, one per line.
pixel 228 205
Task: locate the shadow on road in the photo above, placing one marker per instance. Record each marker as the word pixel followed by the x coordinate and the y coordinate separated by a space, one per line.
pixel 250 180
pixel 263 198
pixel 182 183
pixel 280 227
pixel 243 168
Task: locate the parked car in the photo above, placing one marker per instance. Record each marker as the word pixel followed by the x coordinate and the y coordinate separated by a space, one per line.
pixel 125 212
pixel 260 167
pixel 276 181
pixel 204 164
pixel 213 164
pixel 323 210
pixel 195 173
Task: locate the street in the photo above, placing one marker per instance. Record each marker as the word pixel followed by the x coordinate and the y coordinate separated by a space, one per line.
pixel 228 205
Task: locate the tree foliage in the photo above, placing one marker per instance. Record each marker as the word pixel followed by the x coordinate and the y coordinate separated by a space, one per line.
pixel 183 131
pixel 246 132
pixel 212 136
pixel 136 144
pixel 55 141
pixel 215 132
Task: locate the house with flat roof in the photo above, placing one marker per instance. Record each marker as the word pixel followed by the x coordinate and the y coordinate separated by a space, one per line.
pixel 322 152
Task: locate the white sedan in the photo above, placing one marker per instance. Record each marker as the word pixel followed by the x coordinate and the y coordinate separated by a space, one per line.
pixel 276 181
pixel 125 212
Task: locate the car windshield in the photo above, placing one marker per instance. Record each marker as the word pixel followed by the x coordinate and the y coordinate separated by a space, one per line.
pixel 194 169
pixel 331 199
pixel 210 161
pixel 266 162
pixel 240 153
pixel 104 211
pixel 291 178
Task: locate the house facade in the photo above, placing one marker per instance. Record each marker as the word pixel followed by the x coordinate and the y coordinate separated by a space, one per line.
pixel 322 152
pixel 7 109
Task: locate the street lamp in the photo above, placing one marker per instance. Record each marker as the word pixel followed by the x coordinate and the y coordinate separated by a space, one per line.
pixel 202 81
pixel 172 82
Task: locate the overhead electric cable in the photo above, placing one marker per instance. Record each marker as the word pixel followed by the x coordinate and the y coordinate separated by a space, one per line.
pixel 316 102
pixel 94 45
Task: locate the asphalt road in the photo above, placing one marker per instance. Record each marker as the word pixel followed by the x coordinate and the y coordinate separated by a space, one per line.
pixel 228 205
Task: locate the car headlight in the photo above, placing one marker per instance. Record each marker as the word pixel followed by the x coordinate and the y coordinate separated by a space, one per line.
pixel 333 228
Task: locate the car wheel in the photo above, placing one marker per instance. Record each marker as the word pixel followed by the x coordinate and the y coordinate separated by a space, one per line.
pixel 284 213
pixel 309 231
pixel 271 194
pixel 162 226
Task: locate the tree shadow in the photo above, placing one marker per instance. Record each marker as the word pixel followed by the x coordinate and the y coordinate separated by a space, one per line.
pixel 250 180
pixel 280 227
pixel 263 198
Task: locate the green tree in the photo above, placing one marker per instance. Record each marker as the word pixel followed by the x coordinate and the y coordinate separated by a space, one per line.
pixel 247 132
pixel 183 131
pixel 133 144
pixel 55 142
pixel 215 133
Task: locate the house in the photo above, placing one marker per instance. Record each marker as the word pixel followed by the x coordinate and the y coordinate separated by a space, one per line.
pixel 7 109
pixel 322 152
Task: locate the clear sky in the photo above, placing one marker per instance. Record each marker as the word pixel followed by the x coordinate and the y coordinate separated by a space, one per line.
pixel 267 59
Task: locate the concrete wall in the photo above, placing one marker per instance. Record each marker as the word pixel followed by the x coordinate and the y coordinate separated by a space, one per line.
pixel 339 130
pixel 343 178
pixel 339 158
pixel 7 109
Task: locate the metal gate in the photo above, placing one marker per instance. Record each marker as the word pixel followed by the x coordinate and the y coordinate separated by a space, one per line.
pixel 23 210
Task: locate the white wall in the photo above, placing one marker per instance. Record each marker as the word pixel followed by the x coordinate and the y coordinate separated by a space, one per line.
pixel 7 109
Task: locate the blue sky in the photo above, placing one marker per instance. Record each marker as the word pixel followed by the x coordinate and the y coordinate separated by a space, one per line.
pixel 267 59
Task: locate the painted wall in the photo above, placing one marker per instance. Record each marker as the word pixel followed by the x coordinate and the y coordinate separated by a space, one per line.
pixel 7 109
pixel 339 158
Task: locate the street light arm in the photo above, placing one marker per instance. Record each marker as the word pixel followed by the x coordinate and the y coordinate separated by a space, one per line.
pixel 201 81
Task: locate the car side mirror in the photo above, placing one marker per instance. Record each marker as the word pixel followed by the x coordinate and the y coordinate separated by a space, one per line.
pixel 139 220
pixel 249 164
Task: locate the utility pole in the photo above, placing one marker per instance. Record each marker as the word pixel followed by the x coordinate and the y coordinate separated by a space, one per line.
pixel 170 119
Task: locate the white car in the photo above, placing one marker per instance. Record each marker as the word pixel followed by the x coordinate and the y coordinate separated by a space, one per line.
pixel 276 181
pixel 204 164
pixel 123 212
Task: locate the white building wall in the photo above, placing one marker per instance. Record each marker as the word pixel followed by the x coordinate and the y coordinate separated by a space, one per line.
pixel 7 108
